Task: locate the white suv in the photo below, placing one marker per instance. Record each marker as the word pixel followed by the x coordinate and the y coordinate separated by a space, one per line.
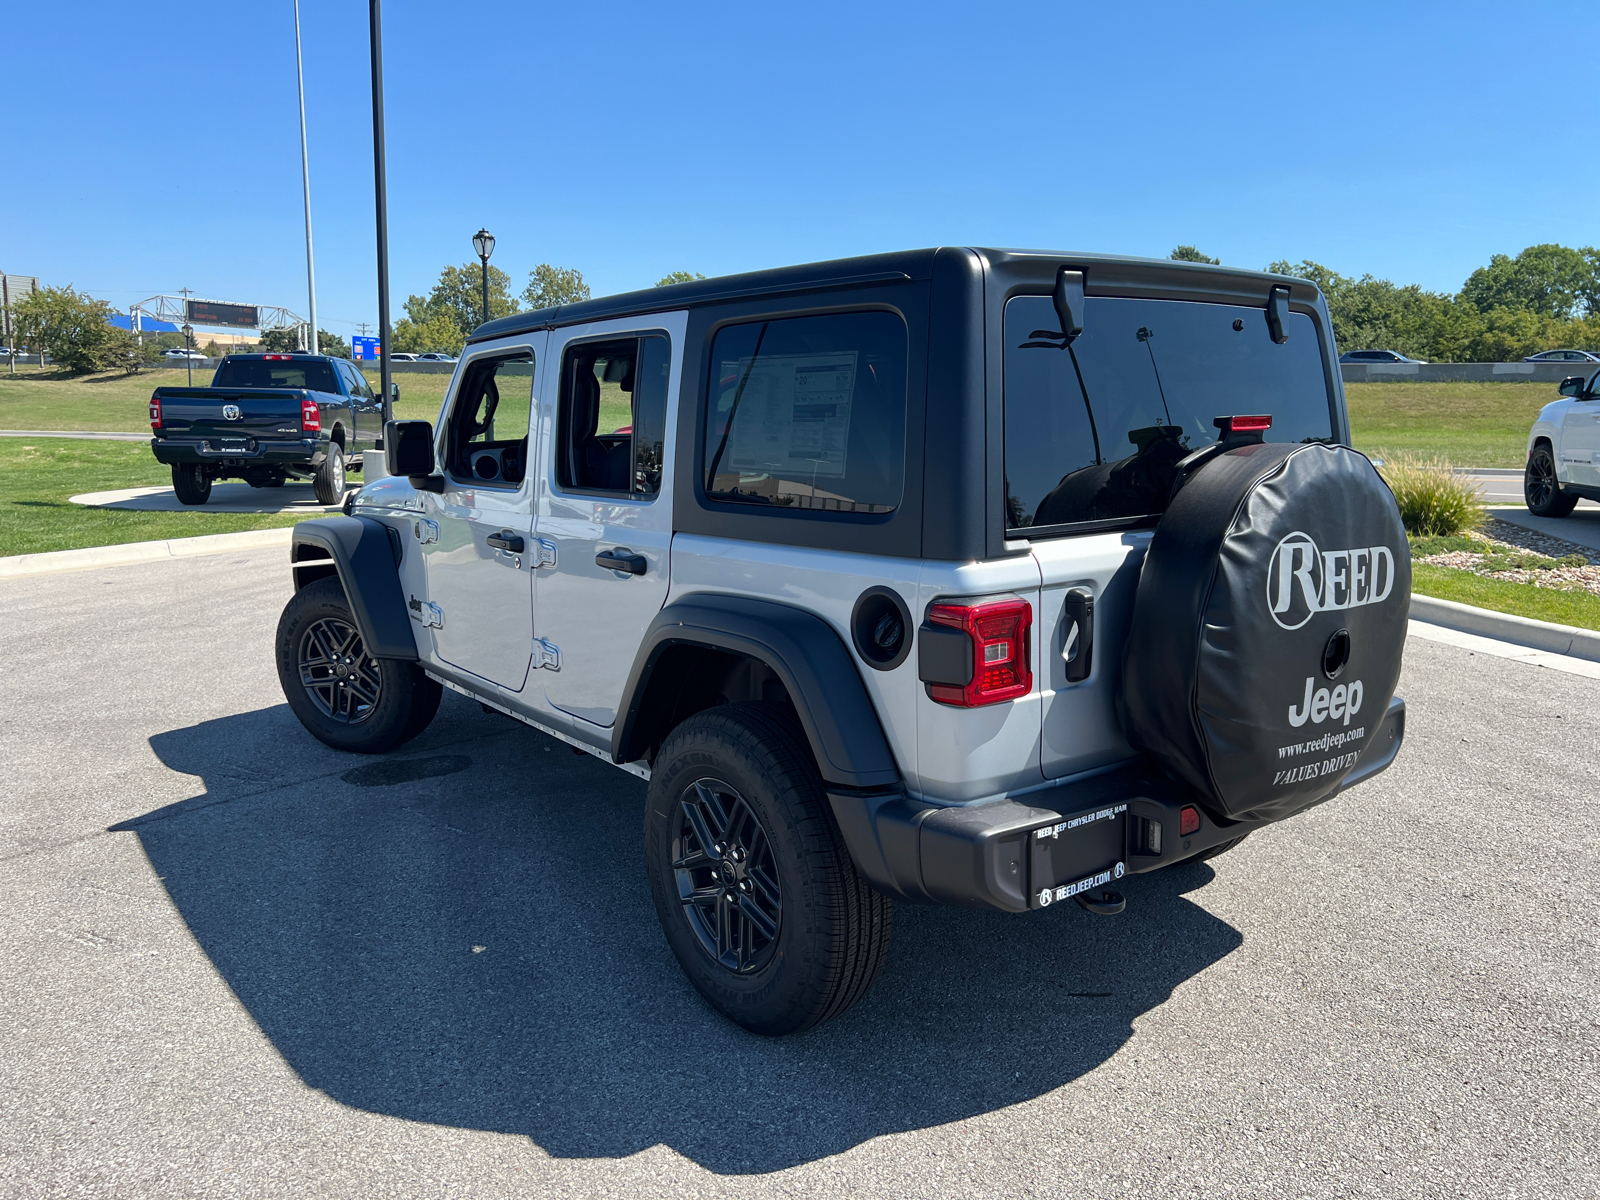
pixel 1564 450
pixel 956 576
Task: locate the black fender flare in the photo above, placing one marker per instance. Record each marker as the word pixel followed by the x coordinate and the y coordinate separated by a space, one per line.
pixel 805 653
pixel 366 555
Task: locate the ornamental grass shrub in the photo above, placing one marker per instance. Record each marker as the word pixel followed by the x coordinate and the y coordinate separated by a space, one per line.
pixel 1434 501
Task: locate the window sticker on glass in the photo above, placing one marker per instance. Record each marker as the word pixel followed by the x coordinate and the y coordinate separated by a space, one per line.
pixel 797 413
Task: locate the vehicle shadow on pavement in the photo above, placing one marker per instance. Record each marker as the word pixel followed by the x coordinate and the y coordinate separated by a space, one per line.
pixel 462 934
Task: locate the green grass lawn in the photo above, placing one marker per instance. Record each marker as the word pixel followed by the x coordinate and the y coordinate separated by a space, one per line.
pixel 1471 424
pixel 1520 599
pixel 114 402
pixel 38 474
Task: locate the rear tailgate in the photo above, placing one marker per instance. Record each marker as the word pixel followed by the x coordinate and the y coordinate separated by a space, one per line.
pixel 260 414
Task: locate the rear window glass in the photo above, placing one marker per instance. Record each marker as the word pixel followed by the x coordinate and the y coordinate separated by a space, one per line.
pixel 1154 375
pixel 266 373
pixel 809 413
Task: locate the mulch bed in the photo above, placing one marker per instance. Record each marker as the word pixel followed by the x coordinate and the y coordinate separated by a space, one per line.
pixel 1502 537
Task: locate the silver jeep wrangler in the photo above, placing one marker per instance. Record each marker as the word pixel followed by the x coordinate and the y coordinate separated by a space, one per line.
pixel 956 576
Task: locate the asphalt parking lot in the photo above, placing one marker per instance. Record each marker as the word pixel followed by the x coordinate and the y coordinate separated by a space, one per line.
pixel 236 963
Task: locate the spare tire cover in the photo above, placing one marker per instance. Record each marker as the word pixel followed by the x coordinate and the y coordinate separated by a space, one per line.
pixel 1271 565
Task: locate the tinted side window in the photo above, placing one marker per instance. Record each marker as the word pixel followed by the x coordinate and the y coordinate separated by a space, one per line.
pixel 808 413
pixel 486 438
pixel 1094 431
pixel 612 424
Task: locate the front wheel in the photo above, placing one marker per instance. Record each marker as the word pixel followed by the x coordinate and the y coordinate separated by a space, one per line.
pixel 328 483
pixel 342 695
pixel 1540 487
pixel 190 484
pixel 752 883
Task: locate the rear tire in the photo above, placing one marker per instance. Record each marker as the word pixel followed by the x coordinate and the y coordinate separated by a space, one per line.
pixel 189 483
pixel 328 483
pixel 343 696
pixel 1541 489
pixel 770 922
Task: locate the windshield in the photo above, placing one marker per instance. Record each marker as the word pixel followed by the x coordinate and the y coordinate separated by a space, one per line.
pixel 1099 439
pixel 313 374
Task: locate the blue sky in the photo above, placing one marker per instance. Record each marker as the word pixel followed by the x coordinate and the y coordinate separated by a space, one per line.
pixel 152 149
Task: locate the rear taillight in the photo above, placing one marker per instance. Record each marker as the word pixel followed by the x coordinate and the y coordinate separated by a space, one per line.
pixel 277 357
pixel 999 634
pixel 155 413
pixel 310 416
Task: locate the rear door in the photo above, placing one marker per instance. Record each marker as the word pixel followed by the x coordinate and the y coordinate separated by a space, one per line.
pixel 1094 431
pixel 605 510
pixel 476 534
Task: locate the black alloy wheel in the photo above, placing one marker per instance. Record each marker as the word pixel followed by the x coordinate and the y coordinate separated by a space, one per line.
pixel 727 880
pixel 336 672
pixel 1541 489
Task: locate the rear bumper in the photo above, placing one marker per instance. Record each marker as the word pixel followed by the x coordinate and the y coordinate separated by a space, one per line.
pixel 1007 854
pixel 300 452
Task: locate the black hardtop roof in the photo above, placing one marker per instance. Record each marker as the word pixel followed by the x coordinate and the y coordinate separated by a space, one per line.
pixel 898 266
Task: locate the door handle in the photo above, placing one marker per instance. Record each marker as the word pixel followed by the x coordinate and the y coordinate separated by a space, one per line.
pixel 621 559
pixel 505 540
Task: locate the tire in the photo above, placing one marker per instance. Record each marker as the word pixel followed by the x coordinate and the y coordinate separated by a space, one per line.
pixel 378 704
pixel 1541 489
pixel 1219 848
pixel 189 483
pixel 328 483
pixel 811 936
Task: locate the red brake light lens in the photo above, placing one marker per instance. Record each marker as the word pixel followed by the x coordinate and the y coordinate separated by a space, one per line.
pixel 1188 820
pixel 310 416
pixel 1256 424
pixel 1000 636
pixel 278 357
pixel 155 413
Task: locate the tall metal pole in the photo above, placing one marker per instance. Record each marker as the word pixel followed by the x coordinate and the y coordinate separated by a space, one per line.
pixel 305 176
pixel 485 260
pixel 383 206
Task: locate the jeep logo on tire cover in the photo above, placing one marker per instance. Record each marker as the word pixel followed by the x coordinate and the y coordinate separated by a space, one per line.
pixel 1303 580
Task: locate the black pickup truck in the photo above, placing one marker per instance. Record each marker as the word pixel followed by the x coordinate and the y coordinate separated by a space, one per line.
pixel 265 418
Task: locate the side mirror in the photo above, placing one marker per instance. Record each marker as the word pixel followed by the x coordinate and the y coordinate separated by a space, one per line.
pixel 394 393
pixel 408 449
pixel 1572 385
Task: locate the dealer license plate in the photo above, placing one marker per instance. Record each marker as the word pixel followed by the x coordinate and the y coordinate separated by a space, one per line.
pixel 1081 851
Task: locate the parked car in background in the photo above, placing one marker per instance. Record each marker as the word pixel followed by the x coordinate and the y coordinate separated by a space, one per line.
pixel 180 352
pixel 1563 356
pixel 1377 356
pixel 265 419
pixel 432 357
pixel 1564 449
pixel 402 358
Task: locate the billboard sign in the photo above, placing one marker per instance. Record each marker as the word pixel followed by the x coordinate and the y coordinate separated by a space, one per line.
pixel 232 316
pixel 364 349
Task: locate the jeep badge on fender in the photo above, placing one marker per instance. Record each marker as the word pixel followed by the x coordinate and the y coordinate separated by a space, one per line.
pixel 732 537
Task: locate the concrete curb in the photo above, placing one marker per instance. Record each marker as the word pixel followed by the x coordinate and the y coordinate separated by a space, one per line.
pixel 56 561
pixel 1520 631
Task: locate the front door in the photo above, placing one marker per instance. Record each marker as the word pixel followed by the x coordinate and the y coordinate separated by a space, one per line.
pixel 476 536
pixel 606 508
pixel 1580 441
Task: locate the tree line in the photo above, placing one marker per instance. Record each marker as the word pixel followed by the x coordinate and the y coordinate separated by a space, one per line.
pixel 442 320
pixel 1545 298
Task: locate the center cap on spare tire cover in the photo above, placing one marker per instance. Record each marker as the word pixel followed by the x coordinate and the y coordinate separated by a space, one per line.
pixel 1275 567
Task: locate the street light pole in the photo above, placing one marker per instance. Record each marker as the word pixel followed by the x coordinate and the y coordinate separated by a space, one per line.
pixel 383 207
pixel 305 176
pixel 483 243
